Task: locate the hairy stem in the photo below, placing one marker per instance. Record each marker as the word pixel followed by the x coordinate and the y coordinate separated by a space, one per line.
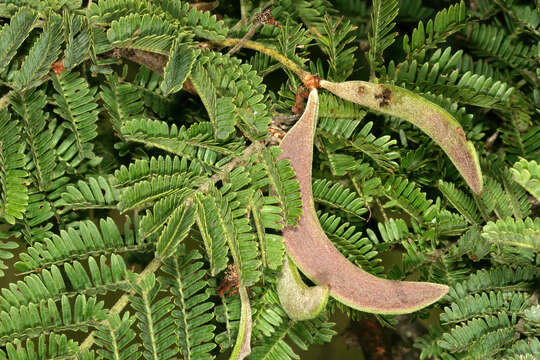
pixel 268 51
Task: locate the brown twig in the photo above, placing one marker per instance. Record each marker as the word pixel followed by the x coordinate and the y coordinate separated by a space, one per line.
pixel 205 6
pixel 262 18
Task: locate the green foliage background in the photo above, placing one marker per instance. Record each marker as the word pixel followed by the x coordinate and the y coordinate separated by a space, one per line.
pixel 136 172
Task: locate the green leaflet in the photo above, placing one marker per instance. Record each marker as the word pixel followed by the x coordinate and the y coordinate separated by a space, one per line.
pixel 13 176
pixel 178 68
pixel 527 174
pixel 318 259
pixel 299 301
pixel 187 281
pixel 283 183
pixel 267 216
pixel 154 321
pixel 214 242
pixel 436 122
pixel 176 230
pixel 14 34
pixel 77 104
pixel 113 337
pixel 382 19
pixel 43 53
pixel 220 110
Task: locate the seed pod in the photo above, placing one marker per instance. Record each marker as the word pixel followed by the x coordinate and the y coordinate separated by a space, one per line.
pixel 432 119
pixel 299 301
pixel 315 255
pixel 242 347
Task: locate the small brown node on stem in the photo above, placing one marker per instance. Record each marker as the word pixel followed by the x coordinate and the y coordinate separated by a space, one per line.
pixel 312 81
pixel 229 281
pixel 265 17
pixel 361 90
pixel 301 94
pixel 384 97
pixel 460 132
pixel 58 67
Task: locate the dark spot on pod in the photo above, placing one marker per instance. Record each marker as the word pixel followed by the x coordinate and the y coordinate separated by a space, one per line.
pixel 384 97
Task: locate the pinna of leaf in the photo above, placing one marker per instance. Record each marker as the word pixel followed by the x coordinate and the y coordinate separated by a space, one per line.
pixel 314 254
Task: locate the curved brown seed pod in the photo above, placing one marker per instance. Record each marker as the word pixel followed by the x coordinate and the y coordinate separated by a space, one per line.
pixel 318 259
pixel 300 302
pixel 432 119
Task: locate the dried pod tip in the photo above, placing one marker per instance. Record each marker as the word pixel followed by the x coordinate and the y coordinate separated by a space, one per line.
pixel 299 301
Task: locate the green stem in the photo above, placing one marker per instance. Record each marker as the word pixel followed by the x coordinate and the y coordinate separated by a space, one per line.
pixel 268 51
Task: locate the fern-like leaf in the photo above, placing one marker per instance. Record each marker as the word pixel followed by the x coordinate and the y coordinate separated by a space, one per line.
pixel 484 304
pixel 187 283
pixel 474 334
pixel 500 278
pixel 381 36
pixel 223 222
pixel 509 231
pixel 50 284
pixel 194 143
pixel 202 23
pixel 496 42
pixel 446 22
pixel 527 174
pixel 53 346
pixel 77 244
pixel 41 56
pixel 178 68
pixel 13 176
pixel 338 197
pixel 220 110
pixel 177 229
pixel 78 40
pixel 283 184
pixel 13 35
pixel 461 201
pixel 349 241
pixel 408 196
pixel 336 36
pixel 77 105
pixel 302 334
pixel 114 336
pixel 122 102
pixel 147 192
pixel 157 328
pixel 29 321
pixel 266 215
pixel 37 136
pixel 94 193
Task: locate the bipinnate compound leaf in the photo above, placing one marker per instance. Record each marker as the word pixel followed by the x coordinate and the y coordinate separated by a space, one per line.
pixel 436 122
pixel 299 301
pixel 314 254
